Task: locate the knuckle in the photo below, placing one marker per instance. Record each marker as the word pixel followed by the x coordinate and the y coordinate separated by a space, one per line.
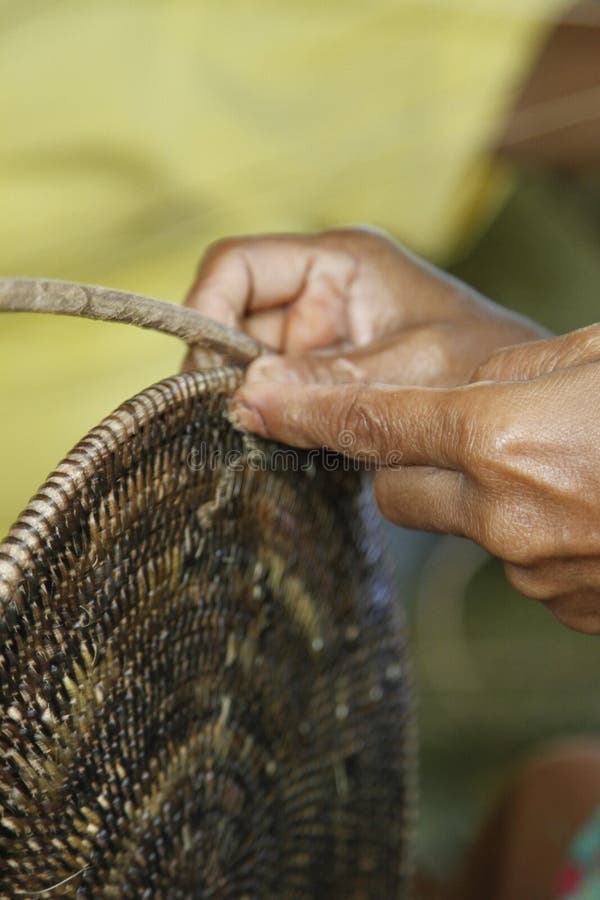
pixel 506 531
pixel 493 367
pixel 353 422
pixel 528 580
pixel 459 432
pixel 361 240
pixel 517 363
pixel 218 250
pixel 490 438
pixel 493 531
pixel 578 610
pixel 581 345
pixel 490 449
pixel 465 428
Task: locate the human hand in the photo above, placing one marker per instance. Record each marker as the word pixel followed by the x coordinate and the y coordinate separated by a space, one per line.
pixel 511 461
pixel 351 306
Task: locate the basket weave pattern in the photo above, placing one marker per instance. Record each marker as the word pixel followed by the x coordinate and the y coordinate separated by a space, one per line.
pixel 200 681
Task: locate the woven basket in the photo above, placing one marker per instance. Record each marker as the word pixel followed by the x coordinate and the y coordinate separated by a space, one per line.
pixel 202 677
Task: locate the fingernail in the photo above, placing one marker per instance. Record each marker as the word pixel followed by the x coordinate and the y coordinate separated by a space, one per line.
pixel 245 417
pixel 270 369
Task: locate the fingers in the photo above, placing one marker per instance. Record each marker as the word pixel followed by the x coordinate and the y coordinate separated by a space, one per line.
pixel 412 431
pixel 426 499
pixel 267 326
pixel 307 369
pixel 409 357
pixel 382 424
pixel 286 290
pixel 440 500
pixel 440 354
pixel 554 577
pixel 375 363
pixel 569 586
pixel 536 358
pixel 579 610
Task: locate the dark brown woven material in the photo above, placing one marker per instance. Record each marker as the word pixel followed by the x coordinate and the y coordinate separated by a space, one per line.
pixel 203 689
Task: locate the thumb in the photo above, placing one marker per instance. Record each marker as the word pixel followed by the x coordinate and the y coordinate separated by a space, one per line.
pixel 380 424
pixel 533 359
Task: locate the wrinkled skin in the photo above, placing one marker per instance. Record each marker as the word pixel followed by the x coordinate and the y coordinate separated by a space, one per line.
pixel 495 442
pixel 351 305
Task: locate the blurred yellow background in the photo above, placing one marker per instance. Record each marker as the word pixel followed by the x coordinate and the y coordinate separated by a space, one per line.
pixel 135 133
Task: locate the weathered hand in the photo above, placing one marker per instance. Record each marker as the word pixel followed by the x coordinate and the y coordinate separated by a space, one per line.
pixel 512 462
pixel 351 306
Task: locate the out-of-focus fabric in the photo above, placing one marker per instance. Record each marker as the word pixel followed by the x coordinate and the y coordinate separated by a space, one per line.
pixel 134 133
pixel 580 877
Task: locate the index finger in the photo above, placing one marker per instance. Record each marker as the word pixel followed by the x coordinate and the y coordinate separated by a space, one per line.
pixel 242 275
pixel 384 424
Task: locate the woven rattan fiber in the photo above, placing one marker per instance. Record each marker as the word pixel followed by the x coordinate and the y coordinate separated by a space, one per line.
pixel 202 680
